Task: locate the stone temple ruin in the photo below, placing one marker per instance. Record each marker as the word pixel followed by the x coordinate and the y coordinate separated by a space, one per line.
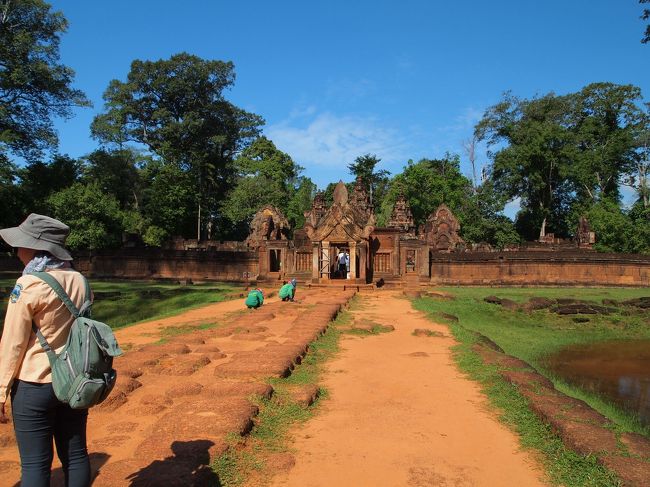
pixel 400 252
pixel 396 255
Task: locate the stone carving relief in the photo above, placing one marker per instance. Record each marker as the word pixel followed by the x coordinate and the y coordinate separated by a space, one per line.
pixel 584 236
pixel 360 199
pixel 402 217
pixel 268 224
pixel 344 221
pixel 441 230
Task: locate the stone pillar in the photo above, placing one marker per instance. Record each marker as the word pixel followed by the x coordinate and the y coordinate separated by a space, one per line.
pixel 263 262
pixel 315 267
pixel 423 261
pixel 326 256
pixel 397 258
pixel 353 260
pixel 363 258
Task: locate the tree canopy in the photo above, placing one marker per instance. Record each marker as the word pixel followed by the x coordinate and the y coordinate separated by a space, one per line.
pixel 375 182
pixel 177 109
pixel 267 176
pixel 427 184
pixel 562 154
pixel 34 85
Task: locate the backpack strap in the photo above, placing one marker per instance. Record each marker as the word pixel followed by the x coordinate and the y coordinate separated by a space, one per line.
pixel 63 296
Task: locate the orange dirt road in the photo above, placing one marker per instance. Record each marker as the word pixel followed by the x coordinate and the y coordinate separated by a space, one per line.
pixel 400 413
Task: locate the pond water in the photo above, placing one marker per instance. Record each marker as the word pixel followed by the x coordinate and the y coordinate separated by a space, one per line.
pixel 617 370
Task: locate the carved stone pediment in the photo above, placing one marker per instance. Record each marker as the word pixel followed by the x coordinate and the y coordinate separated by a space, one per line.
pixel 441 230
pixel 268 224
pixel 342 221
pixel 360 200
pixel 402 217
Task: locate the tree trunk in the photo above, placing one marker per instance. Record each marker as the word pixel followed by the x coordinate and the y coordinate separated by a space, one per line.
pixel 542 231
pixel 198 225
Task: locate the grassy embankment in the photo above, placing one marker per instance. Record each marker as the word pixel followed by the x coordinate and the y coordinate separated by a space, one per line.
pixel 122 303
pixel 249 457
pixel 531 337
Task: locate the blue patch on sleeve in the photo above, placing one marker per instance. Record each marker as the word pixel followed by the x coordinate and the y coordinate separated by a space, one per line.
pixel 15 293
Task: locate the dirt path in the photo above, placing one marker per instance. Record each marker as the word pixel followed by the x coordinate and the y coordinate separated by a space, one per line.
pixel 401 414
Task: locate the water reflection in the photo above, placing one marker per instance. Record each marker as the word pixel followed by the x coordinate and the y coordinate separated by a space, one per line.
pixel 618 370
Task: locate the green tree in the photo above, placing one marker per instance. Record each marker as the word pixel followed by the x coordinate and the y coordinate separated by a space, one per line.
pixel 376 182
pixel 166 202
pixel 117 174
pixel 34 85
pixel 12 212
pixel 617 231
pixel 534 155
pixel 605 119
pixel 482 219
pixel 177 109
pixel 94 217
pixel 426 185
pixel 39 180
pixel 300 202
pixel 639 181
pixel 265 175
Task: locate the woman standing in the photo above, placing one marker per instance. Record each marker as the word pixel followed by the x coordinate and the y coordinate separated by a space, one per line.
pixel 25 372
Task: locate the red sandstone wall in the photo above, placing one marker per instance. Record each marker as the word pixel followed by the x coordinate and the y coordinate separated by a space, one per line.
pixel 541 268
pixel 471 268
pixel 170 264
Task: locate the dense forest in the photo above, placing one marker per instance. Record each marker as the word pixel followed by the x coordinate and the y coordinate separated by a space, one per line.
pixel 174 157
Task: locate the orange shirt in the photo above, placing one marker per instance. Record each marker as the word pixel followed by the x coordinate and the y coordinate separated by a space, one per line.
pixel 21 356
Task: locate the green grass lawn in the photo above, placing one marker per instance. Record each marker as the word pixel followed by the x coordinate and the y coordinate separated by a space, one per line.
pixel 531 336
pixel 122 303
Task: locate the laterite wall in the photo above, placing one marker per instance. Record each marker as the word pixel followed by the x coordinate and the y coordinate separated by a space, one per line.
pixel 540 268
pixel 196 265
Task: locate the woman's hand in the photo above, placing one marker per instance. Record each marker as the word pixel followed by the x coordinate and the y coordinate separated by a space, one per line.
pixel 3 416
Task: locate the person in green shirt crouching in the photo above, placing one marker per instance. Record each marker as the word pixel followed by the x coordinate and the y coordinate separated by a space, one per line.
pixel 255 299
pixel 288 291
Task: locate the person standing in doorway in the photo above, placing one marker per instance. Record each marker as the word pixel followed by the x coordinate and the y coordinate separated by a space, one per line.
pixel 347 265
pixel 342 265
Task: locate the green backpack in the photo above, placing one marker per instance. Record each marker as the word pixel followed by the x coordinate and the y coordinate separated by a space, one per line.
pixel 82 374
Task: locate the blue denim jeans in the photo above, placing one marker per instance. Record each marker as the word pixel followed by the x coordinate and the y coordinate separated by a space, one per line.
pixel 38 418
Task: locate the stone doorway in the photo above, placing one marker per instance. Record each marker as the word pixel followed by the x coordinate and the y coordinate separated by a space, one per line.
pixel 275 260
pixel 340 261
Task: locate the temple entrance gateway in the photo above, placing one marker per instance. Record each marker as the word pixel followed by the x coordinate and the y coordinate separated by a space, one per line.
pixel 345 226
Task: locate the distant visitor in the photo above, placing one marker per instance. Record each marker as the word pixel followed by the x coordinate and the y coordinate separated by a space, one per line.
pixel 288 291
pixel 255 299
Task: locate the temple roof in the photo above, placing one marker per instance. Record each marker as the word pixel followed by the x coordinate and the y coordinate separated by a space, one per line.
pixel 344 221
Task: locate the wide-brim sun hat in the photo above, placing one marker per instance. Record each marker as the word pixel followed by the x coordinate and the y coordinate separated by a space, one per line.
pixel 39 232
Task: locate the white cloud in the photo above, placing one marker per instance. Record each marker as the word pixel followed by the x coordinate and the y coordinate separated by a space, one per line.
pixel 326 143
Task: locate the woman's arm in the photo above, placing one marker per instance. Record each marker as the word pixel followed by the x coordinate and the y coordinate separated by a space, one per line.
pixel 15 336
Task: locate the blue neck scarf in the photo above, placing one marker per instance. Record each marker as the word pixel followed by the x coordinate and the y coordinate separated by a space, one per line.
pixel 43 262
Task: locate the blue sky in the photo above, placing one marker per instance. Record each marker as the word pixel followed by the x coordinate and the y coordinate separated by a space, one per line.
pixel 338 79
